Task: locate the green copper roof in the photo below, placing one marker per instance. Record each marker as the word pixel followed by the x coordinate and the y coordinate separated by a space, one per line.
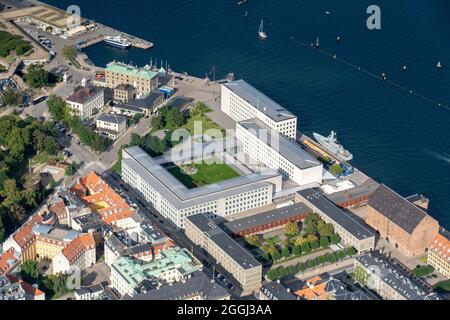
pixel 135 271
pixel 131 71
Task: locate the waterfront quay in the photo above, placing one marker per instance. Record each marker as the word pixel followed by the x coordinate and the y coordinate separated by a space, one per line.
pixel 57 22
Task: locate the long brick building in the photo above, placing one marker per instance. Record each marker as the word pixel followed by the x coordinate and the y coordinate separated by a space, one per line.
pixel 402 223
pixel 267 221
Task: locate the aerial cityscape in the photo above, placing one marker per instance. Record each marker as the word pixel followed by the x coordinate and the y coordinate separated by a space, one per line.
pixel 128 173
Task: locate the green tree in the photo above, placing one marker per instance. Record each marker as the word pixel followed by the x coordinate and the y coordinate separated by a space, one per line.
pixel 37 77
pixel 265 257
pixel 321 260
pixel 314 245
pixel 324 242
pixel 199 110
pixel 56 107
pixel 164 111
pixel 135 139
pixel 2 228
pixel 276 255
pixel 326 230
pixel 174 119
pixel 52 184
pixel 50 145
pixel 296 250
pixel 71 169
pixel 306 249
pixel 292 270
pixel 311 263
pixel 350 251
pixel 301 267
pixel 16 143
pixel 331 258
pixel 341 255
pixel 11 98
pixel 69 52
pixel 153 145
pixel 283 272
pixel 335 238
pixel 253 240
pixel 270 248
pixel 291 229
pixel 285 252
pixel 29 271
pixel 12 198
pixel 273 274
pixel 158 122
pixel 310 226
pixel 22 48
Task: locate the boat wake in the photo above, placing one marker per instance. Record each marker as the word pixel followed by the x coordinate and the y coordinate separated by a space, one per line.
pixel 440 156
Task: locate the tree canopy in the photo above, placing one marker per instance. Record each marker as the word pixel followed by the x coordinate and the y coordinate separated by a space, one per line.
pixel 11 98
pixel 37 77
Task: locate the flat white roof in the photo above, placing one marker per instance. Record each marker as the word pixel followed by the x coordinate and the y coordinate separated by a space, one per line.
pixel 259 100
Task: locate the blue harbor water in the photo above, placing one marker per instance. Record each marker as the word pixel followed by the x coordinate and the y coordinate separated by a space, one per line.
pixel 397 137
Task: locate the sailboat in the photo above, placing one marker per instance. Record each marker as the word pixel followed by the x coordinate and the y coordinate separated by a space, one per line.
pixel 317 43
pixel 261 32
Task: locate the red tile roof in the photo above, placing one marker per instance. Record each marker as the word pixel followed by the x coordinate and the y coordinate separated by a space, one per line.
pixel 78 246
pixel 93 190
pixel 28 288
pixel 7 261
pixel 25 234
pixel 58 208
pixel 441 246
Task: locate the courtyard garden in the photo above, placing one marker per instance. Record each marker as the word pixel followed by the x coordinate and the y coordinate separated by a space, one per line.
pixel 201 174
pixel 313 236
pixel 329 258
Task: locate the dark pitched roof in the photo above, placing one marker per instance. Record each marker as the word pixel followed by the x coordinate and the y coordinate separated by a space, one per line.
pixel 198 284
pixel 84 94
pixel 275 290
pixel 396 208
pixel 266 218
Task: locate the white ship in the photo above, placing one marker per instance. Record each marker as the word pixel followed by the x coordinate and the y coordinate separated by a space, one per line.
pixel 332 145
pixel 261 32
pixel 118 42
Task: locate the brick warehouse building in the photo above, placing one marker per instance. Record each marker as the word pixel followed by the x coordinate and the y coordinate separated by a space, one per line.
pixel 267 221
pixel 401 222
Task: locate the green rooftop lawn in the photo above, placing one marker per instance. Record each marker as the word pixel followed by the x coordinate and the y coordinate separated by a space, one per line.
pixel 207 174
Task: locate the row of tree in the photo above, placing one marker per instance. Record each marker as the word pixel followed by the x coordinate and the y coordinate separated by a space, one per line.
pixel 281 272
pixel 61 113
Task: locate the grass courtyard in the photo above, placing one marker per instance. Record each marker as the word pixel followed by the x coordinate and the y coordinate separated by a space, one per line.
pixel 206 174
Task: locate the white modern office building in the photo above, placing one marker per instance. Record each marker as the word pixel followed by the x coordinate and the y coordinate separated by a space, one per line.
pixel 241 101
pixel 275 151
pixel 176 202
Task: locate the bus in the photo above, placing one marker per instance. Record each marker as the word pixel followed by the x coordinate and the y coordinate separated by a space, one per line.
pixel 39 100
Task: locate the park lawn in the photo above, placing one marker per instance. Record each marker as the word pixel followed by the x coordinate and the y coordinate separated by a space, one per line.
pixel 423 271
pixel 207 174
pixel 207 124
pixel 42 157
pixel 443 286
